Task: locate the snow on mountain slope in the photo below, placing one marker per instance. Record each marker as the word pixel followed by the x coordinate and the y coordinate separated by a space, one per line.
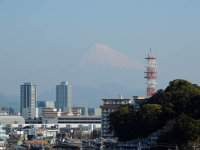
pixel 102 55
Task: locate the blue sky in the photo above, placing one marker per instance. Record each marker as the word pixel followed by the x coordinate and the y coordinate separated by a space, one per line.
pixel 38 35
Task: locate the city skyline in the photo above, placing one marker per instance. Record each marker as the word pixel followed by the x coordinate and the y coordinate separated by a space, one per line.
pixel 39 39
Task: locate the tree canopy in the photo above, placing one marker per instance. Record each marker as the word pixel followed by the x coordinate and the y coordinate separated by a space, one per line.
pixel 179 104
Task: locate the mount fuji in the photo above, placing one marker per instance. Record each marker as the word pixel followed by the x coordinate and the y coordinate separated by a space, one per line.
pixel 103 55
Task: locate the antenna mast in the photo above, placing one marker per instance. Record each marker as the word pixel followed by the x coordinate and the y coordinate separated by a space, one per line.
pixel 151 74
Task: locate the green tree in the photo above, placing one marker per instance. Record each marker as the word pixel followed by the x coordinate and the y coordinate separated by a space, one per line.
pixel 126 123
pixel 121 121
pixel 185 129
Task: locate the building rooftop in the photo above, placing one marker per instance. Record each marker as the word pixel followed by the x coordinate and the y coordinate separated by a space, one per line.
pixel 64 83
pixel 139 97
pixel 28 83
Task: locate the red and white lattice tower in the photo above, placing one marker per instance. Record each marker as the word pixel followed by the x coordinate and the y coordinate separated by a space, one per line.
pixel 151 74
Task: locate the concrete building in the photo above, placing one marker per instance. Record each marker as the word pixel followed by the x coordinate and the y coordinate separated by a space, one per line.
pixel 139 99
pixel 85 111
pixel 72 120
pixel 63 97
pixel 79 120
pixel 50 115
pixel 44 104
pixel 76 111
pixel 110 105
pixel 97 112
pixel 28 103
pixel 51 112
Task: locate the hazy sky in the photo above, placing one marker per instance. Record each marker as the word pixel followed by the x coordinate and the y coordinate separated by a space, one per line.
pixel 36 36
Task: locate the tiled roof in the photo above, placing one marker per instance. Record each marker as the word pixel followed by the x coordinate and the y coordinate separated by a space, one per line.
pixel 42 129
pixel 37 142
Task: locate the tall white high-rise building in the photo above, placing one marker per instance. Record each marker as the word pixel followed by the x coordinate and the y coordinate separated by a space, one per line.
pixel 28 104
pixel 63 97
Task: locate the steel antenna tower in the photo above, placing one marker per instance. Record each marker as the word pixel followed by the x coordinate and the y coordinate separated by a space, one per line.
pixel 151 74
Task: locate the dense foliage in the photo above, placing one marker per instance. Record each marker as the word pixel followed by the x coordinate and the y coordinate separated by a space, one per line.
pixel 177 105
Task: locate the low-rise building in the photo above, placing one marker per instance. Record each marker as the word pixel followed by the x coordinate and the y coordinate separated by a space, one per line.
pixel 50 112
pixel 50 115
pixel 139 99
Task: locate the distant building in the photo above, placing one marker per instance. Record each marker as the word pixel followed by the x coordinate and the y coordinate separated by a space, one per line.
pixel 97 112
pixel 139 100
pixel 72 120
pixel 7 110
pixel 76 111
pixel 9 114
pixel 28 103
pixel 94 112
pixel 44 104
pixel 49 104
pixel 50 115
pixel 5 120
pixel 63 97
pixel 85 111
pixel 2 137
pixel 51 112
pixel 82 110
pixel 110 105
